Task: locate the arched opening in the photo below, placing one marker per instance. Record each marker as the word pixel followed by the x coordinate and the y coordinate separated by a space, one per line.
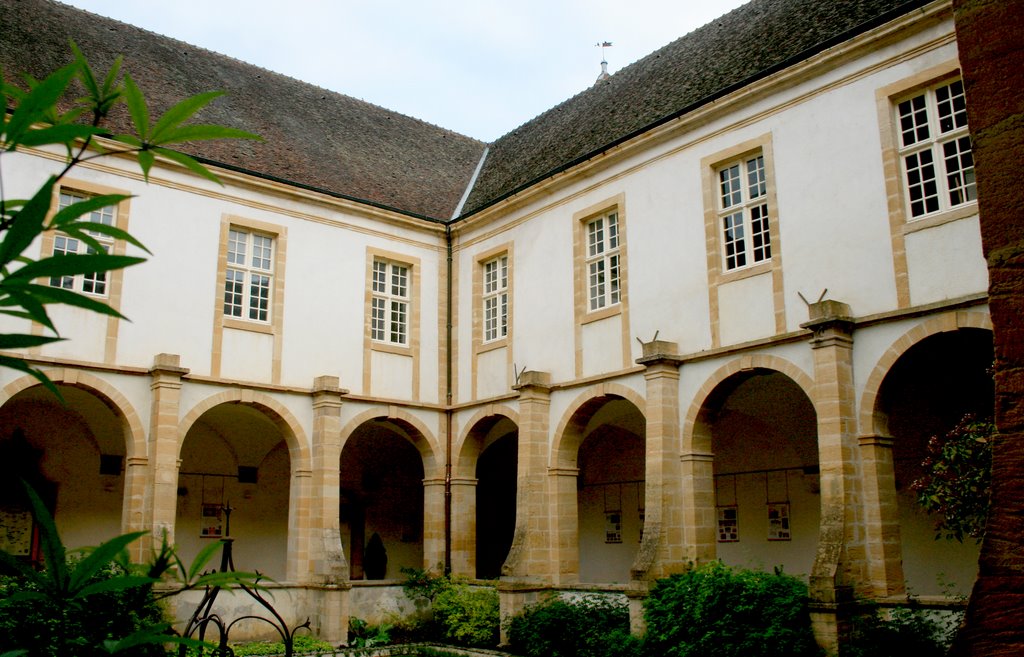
pixel 382 495
pixel 763 431
pixel 496 474
pixel 73 454
pixel 610 488
pixel 235 456
pixel 925 393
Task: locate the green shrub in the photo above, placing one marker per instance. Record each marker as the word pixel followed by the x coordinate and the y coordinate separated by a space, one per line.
pixel 459 613
pixel 584 627
pixel 302 644
pixel 48 626
pixel 363 635
pixel 901 631
pixel 468 616
pixel 715 611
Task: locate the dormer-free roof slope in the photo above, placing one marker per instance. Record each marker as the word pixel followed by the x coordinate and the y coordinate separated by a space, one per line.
pixel 312 137
pixel 346 147
pixel 746 44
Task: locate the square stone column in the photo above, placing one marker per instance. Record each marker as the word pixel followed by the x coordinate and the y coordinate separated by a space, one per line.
pixel 464 527
pixel 662 548
pixel 882 517
pixel 327 570
pixel 840 565
pixel 530 554
pixel 162 505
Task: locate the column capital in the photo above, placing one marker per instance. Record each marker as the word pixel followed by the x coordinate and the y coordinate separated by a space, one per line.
pixel 659 352
pixel 877 441
pixel 531 379
pixel 327 393
pixel 168 364
pixel 831 322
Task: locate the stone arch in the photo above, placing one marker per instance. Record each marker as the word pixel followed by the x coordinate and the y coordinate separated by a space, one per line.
pixel 569 432
pixel 291 430
pixel 423 439
pixel 872 420
pixel 465 461
pixel 696 438
pixel 134 432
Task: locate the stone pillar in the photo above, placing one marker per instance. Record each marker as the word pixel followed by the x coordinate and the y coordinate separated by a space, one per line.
pixel 464 526
pixel 133 505
pixel 530 554
pixel 882 518
pixel 433 523
pixel 839 569
pixel 662 546
pixel 530 566
pixel 563 527
pixel 164 443
pixel 328 569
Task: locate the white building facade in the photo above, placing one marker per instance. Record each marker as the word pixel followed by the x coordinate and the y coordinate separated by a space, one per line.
pixel 728 335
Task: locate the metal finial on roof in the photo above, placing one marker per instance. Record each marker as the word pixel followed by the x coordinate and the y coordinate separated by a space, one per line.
pixel 604 63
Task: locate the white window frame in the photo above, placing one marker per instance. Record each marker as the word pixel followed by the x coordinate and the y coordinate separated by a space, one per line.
pixel 744 217
pixel 94 284
pixel 391 302
pixel 603 261
pixel 249 275
pixel 935 150
pixel 495 298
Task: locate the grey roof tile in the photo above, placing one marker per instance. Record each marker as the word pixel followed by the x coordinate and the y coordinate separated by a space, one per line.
pixel 323 140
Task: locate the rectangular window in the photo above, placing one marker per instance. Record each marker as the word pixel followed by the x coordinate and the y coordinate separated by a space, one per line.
pixel 743 213
pixel 935 148
pixel 495 298
pixel 249 275
pixel 602 261
pixel 94 283
pixel 389 307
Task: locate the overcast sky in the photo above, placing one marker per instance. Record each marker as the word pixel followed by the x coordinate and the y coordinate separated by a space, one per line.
pixel 479 67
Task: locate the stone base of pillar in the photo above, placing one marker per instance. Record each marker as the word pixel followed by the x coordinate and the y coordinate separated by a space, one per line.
pixel 636 594
pixel 329 620
pixel 831 625
pixel 515 595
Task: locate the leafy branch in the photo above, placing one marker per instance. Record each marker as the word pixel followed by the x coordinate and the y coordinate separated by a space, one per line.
pixel 50 113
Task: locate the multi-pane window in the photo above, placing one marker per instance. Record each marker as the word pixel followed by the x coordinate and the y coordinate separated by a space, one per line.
pixel 603 261
pixel 743 213
pixel 495 298
pixel 94 283
pixel 389 310
pixel 249 275
pixel 935 148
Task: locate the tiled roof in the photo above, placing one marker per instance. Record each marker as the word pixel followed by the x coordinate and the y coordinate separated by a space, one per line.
pixel 312 137
pixel 323 140
pixel 747 43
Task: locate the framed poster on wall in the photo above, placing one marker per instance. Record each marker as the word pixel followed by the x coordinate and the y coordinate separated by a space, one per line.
pixel 778 522
pixel 728 524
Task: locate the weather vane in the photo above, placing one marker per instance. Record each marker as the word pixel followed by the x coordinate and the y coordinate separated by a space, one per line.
pixel 602 45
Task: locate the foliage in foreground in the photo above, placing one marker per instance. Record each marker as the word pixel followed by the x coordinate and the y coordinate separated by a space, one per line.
pixel 69 110
pixel 580 627
pixel 99 604
pixel 901 631
pixel 956 484
pixel 461 614
pixel 718 611
pixel 303 644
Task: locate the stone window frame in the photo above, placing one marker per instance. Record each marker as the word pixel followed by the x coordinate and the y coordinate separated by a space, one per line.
pixel 718 276
pixel 481 343
pixel 900 222
pixel 581 222
pixel 256 264
pixel 115 279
